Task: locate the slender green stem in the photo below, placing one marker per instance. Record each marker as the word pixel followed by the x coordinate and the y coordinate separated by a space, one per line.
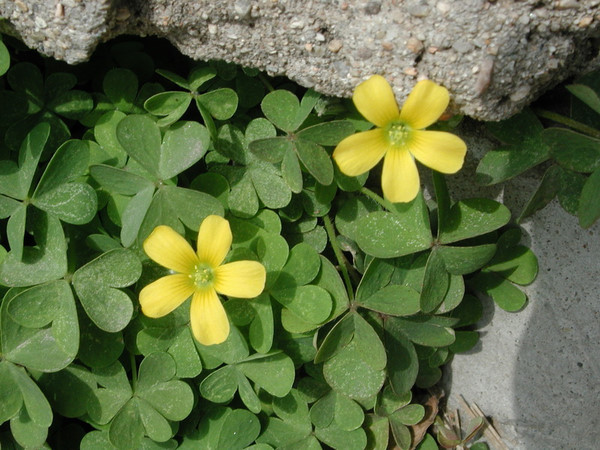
pixel 559 118
pixel 339 256
pixel 373 196
pixel 134 377
pixel 266 82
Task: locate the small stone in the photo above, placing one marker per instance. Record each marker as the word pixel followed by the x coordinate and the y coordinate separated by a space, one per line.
pixel 585 21
pixel 308 47
pixel 122 14
pixel 567 4
pixel 463 46
pixel 40 23
pixel 212 28
pixel 411 71
pixel 520 94
pixel 414 45
pixel 387 46
pixel 297 24
pixel 320 37
pixel 22 6
pixel 59 11
pixel 373 8
pixel 344 6
pixel 364 53
pixel 242 7
pixel 443 7
pixel 432 50
pixel 335 46
pixel 418 10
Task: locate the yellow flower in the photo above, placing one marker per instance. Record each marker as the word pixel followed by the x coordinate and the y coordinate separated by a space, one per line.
pixel 399 137
pixel 200 274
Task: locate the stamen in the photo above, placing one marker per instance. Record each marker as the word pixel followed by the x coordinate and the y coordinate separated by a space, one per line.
pixel 398 133
pixel 203 275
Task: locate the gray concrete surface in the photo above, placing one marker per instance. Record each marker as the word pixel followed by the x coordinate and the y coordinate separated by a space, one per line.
pixel 537 372
pixel 495 56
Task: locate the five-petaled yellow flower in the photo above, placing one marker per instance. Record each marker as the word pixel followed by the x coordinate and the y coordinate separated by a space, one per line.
pixel 199 274
pixel 399 137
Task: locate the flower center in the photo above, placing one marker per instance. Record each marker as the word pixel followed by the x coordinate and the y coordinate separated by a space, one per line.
pixel 398 133
pixel 203 275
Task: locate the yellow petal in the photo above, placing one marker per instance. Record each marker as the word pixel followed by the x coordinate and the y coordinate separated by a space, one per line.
pixel 242 279
pixel 165 294
pixel 360 152
pixel 424 105
pixel 169 249
pixel 438 150
pixel 375 100
pixel 214 240
pixel 400 178
pixel 208 318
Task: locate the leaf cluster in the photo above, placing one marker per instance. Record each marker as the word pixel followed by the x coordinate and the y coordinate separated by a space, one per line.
pixel 364 302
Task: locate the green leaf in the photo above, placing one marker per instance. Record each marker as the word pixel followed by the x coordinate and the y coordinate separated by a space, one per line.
pixel 69 390
pixel 105 134
pixel 26 338
pixel 586 94
pixel 403 363
pixel 338 338
pixel 271 149
pixel 506 295
pixel 348 373
pixel 273 372
pixel 435 282
pixel 281 108
pixel 243 200
pixel 69 162
pixel 424 331
pixel 571 185
pixel 394 300
pixel 473 217
pixel 240 429
pixel 388 401
pixel 574 151
pixel 15 180
pixel 4 59
pixel 338 438
pixel 96 285
pixel 519 129
pixel 11 398
pixel 46 261
pixel 367 342
pixel 179 200
pixel 589 203
pixel 517 264
pixel 316 160
pixel 121 87
pixel 262 328
pixel 199 76
pixel 328 133
pixel 546 191
pixel 134 214
pixel 465 341
pixel 221 385
pixel 401 434
pixel 221 103
pixel 291 172
pixel 464 260
pixel 392 234
pixel 74 203
pixel 26 432
pixel 310 303
pixel 140 137
pixel 72 104
pixel 378 432
pixel 37 407
pixel 168 103
pixel 98 348
pixel 271 188
pixel 126 429
pixel 301 268
pixel 184 143
pixel 409 415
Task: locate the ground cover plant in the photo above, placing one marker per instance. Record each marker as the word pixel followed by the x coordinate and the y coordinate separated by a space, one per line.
pixel 195 255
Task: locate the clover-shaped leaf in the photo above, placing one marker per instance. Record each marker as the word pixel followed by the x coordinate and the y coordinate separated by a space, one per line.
pixel 39 326
pixel 46 261
pixel 97 283
pixel 24 405
pixel 396 233
pixel 157 399
pixel 283 109
pixel 223 427
pixel 525 148
pixel 164 157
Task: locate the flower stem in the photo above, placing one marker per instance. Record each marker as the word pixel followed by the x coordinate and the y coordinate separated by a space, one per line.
pixel 339 256
pixel 134 377
pixel 373 196
pixel 559 118
pixel 266 82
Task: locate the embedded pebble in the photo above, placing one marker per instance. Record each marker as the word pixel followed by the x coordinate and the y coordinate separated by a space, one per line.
pixel 335 46
pixel 414 45
pixel 373 8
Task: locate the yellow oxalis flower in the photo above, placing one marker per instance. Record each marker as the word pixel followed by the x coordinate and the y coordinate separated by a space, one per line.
pixel 400 137
pixel 200 274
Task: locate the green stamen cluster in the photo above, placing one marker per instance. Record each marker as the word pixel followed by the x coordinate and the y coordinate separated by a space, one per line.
pixel 398 133
pixel 203 275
